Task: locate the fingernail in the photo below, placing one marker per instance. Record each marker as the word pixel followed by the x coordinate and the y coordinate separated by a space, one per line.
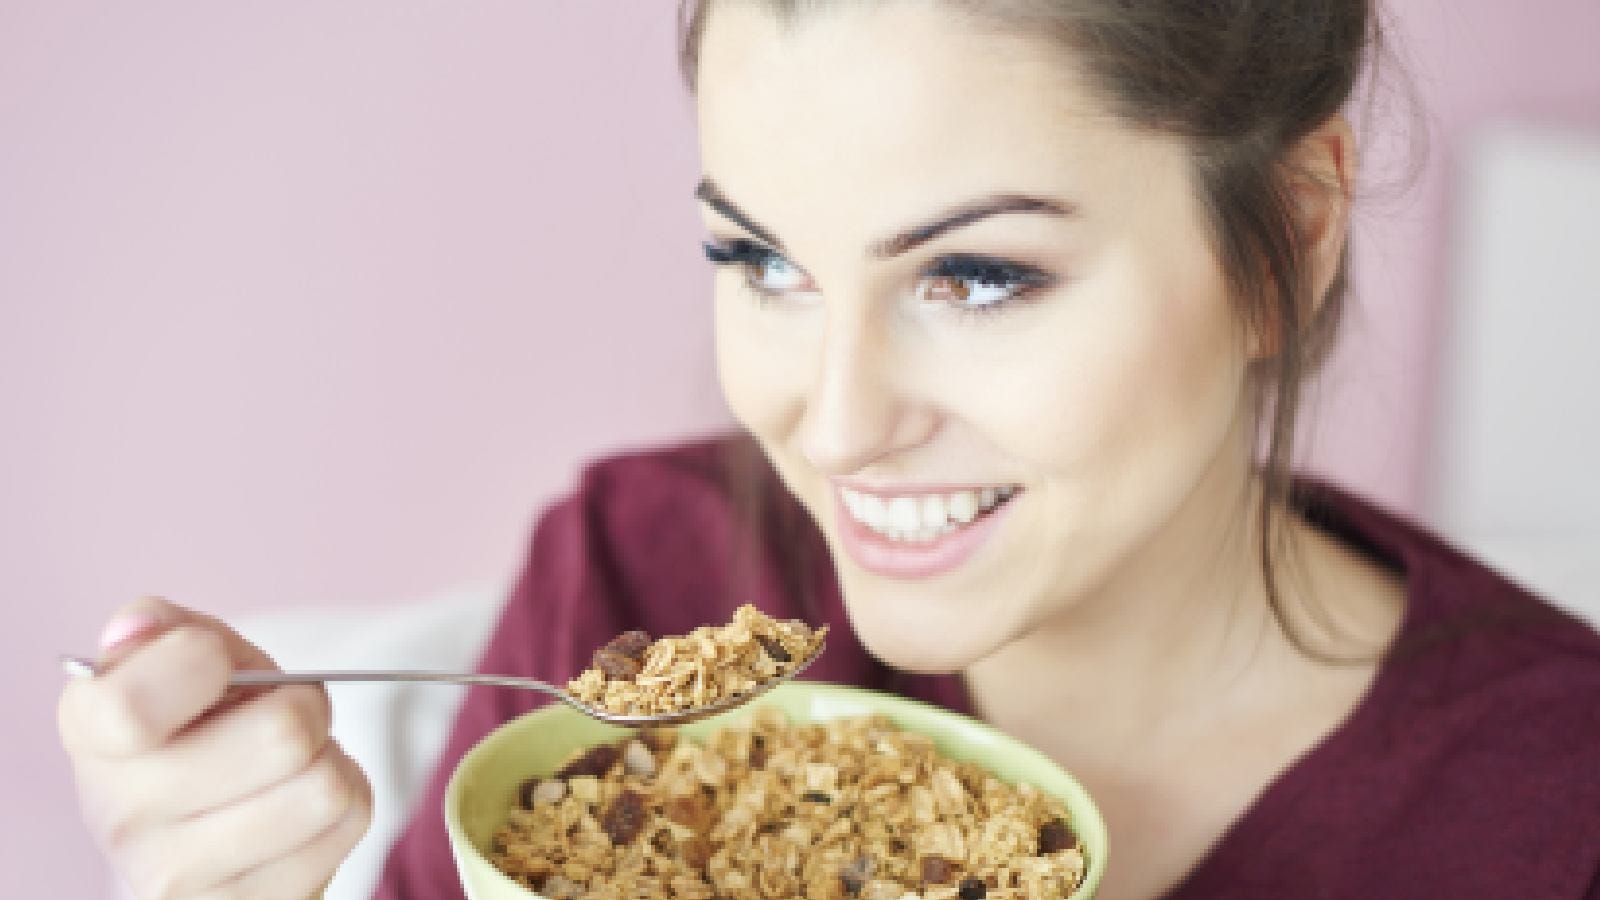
pixel 125 628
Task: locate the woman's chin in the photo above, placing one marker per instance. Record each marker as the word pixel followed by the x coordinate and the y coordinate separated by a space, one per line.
pixel 917 636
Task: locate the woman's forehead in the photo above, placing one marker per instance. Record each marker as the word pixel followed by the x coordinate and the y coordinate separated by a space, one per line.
pixel 891 65
pixel 885 111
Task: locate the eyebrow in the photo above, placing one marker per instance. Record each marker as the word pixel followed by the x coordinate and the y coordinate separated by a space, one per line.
pixel 959 217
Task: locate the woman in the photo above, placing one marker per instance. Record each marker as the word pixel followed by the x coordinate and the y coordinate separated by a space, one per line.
pixel 1008 291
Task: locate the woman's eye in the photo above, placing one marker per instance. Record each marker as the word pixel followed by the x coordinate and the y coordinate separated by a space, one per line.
pixel 978 284
pixel 775 274
pixel 765 270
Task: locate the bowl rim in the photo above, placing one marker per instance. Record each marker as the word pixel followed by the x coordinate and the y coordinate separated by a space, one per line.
pixel 1086 816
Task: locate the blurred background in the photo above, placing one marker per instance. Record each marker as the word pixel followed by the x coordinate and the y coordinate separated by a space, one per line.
pixel 306 308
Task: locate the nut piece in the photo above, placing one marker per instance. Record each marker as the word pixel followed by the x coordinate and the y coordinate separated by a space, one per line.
pixel 624 818
pixel 548 792
pixel 637 760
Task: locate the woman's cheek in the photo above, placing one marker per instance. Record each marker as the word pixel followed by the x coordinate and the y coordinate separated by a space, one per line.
pixel 761 378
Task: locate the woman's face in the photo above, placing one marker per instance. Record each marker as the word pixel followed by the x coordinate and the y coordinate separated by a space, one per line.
pixel 974 321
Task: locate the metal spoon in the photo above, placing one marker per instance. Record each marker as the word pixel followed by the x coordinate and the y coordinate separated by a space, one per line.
pixel 79 666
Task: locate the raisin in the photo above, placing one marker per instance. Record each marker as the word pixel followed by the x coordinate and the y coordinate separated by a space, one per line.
pixel 937 870
pixel 816 797
pixel 596 761
pixel 615 666
pixel 1054 836
pixel 972 889
pixel 774 649
pixel 758 751
pixel 631 644
pixel 525 793
pixel 624 818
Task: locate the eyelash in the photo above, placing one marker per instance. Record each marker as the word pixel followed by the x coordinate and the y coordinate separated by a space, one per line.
pixel 989 271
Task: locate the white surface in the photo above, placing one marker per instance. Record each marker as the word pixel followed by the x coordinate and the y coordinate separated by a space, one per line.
pixel 1518 450
pixel 394 731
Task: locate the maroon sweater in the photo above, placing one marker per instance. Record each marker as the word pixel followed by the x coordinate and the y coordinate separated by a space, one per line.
pixel 1470 769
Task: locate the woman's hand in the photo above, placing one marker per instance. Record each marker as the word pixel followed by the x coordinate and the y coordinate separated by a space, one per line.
pixel 196 789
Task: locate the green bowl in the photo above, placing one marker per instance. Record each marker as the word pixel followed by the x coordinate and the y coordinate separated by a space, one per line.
pixel 484 786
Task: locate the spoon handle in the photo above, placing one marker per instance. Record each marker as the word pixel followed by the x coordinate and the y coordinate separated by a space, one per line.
pixel 254 677
pixel 76 665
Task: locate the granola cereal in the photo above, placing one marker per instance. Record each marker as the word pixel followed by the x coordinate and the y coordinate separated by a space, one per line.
pixel 852 809
pixel 633 675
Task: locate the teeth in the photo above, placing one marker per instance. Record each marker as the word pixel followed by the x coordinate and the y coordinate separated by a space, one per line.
pixel 873 512
pixel 905 514
pixel 964 507
pixel 922 518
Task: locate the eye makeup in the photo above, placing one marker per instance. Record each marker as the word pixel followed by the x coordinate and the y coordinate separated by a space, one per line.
pixel 965 283
pixel 980 285
pixel 755 261
pixel 738 251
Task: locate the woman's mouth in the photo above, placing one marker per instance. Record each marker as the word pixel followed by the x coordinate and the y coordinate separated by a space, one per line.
pixel 918 533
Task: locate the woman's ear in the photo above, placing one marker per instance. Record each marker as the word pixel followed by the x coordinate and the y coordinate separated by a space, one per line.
pixel 1321 172
pixel 1318 174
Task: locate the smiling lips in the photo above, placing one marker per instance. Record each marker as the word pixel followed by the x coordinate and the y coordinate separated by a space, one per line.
pixel 918 535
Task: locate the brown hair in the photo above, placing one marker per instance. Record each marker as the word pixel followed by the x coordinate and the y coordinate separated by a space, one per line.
pixel 1242 81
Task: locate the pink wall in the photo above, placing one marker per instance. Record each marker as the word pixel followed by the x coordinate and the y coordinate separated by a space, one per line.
pixel 1470 62
pixel 306 302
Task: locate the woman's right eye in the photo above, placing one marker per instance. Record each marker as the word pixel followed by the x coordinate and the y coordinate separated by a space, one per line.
pixel 765 270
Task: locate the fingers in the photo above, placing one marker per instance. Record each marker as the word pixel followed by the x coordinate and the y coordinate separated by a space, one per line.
pixel 147 697
pixel 305 824
pixel 196 788
pixel 303 873
pixel 223 757
pixel 133 624
pixel 162 667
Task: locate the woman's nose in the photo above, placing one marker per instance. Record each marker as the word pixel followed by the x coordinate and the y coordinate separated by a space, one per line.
pixel 856 413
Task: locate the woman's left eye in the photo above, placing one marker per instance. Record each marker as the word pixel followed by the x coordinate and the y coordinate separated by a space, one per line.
pixel 978 284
